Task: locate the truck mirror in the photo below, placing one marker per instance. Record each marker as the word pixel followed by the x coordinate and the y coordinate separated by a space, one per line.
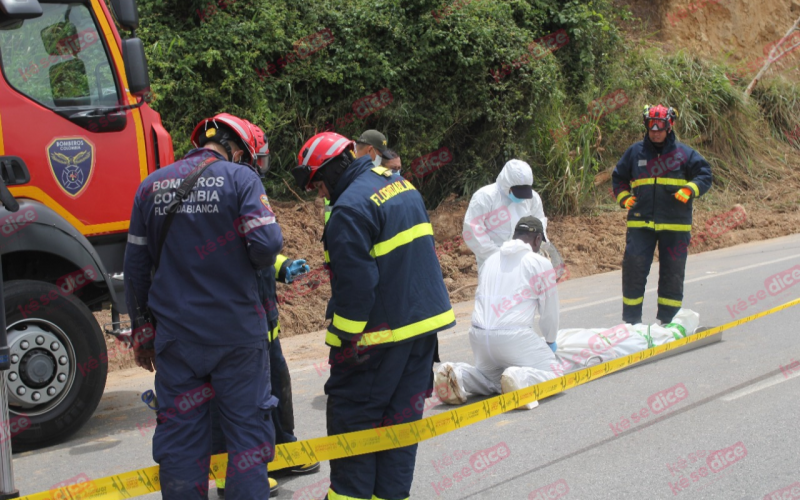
pixel 136 66
pixel 126 12
pixel 14 9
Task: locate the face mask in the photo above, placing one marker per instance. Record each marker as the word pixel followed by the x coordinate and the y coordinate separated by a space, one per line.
pixel 514 199
pixel 377 160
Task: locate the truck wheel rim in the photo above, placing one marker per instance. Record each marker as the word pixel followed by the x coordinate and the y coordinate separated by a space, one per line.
pixel 42 366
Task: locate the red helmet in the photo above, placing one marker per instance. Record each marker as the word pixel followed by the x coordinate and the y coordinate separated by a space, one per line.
pixel 224 127
pixel 316 153
pixel 659 117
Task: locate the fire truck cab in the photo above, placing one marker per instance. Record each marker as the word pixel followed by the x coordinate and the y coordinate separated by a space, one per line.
pixel 77 137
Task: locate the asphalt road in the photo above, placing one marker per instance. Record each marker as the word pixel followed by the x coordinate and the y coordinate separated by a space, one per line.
pixel 741 397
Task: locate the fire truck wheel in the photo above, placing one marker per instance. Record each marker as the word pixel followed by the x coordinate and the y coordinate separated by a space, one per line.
pixel 58 362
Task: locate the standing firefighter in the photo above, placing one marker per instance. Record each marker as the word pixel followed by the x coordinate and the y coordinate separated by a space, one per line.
pixel 388 298
pixel 656 180
pixel 200 230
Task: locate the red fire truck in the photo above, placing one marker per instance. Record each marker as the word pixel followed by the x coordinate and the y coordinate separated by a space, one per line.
pixel 76 139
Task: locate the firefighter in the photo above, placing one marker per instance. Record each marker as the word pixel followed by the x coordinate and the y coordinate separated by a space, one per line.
pixel 656 180
pixel 388 298
pixel 285 270
pixel 211 342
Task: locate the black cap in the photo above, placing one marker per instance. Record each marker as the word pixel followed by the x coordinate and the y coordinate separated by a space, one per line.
pixel 377 141
pixel 522 192
pixel 530 224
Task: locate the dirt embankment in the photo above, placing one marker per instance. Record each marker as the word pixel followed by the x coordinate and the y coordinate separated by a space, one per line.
pixel 589 244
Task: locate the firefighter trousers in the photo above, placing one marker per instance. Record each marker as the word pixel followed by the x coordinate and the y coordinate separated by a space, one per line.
pixel 639 249
pixel 382 388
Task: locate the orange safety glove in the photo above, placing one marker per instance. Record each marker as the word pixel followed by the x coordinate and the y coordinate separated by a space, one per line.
pixel 683 195
pixel 628 202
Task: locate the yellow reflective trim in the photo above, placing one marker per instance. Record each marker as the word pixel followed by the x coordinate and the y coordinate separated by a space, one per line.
pixel 327 257
pixel 348 325
pixel 332 495
pixel 673 227
pixel 640 223
pixel 402 238
pixel 279 260
pixel 669 302
pixel 273 334
pixel 403 333
pixel 694 188
pixel 328 209
pixel 641 182
pixel 622 195
pixel 382 171
pixel 632 302
pixel 670 182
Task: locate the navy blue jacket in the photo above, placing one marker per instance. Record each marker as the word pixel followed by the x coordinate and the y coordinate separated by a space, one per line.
pixel 385 277
pixel 206 287
pixel 654 178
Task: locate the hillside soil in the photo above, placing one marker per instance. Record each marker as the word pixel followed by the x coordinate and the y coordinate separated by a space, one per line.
pixel 595 241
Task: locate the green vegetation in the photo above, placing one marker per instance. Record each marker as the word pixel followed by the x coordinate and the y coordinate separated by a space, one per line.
pixel 448 86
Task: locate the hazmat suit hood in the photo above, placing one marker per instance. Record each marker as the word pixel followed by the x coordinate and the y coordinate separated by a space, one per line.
pixel 514 173
pixel 492 215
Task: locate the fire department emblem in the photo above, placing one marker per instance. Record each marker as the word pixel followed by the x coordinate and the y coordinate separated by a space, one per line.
pixel 71 160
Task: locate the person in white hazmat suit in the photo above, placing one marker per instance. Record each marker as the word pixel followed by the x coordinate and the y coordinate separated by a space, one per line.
pixel 494 211
pixel 516 282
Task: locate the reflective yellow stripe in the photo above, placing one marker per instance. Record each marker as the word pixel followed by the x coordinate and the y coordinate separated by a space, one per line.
pixel 332 495
pixel 632 302
pixel 328 209
pixel 660 227
pixel 327 257
pixel 404 333
pixel 348 325
pixel 382 171
pixel 279 260
pixel 669 302
pixel 673 227
pixel 622 195
pixel 659 180
pixel 220 482
pixel 670 182
pixel 273 334
pixel 402 238
pixel 694 188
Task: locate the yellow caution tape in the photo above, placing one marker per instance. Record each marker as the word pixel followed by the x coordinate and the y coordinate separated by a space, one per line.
pixel 144 481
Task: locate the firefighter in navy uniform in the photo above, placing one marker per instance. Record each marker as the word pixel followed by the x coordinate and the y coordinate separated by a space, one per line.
pixel 656 180
pixel 389 299
pixel 198 280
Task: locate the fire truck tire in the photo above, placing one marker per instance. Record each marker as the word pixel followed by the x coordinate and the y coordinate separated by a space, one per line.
pixel 58 362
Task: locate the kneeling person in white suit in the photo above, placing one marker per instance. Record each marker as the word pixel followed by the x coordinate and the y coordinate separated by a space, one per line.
pixel 509 355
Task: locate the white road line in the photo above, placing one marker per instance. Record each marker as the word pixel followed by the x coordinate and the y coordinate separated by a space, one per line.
pixel 777 379
pixel 693 280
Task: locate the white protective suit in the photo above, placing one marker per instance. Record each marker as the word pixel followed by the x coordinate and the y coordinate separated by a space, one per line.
pixel 492 216
pixel 515 284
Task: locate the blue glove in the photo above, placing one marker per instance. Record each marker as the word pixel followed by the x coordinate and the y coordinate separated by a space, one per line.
pixel 295 269
pixel 553 346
